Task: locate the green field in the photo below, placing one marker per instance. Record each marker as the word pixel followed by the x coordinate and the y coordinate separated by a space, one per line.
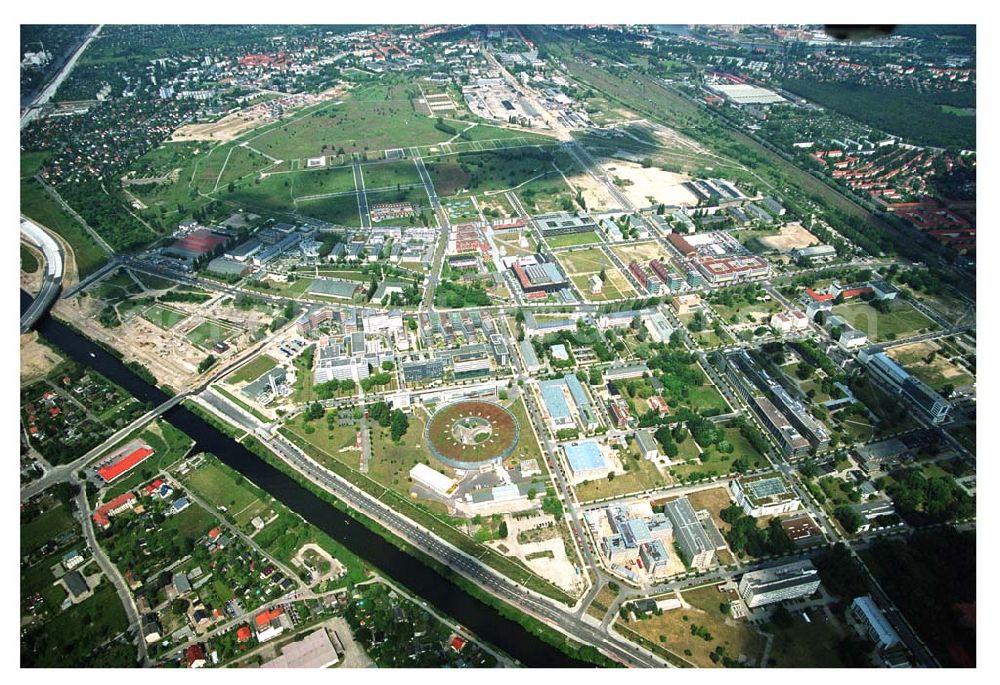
pixel 355 125
pixel 571 239
pixel 589 261
pixel 320 181
pixel 163 317
pixel 206 334
pixel 29 262
pixel 342 211
pixel 642 475
pixel 100 618
pixel 260 365
pixel 241 162
pixel 390 174
pixel 45 527
pixel 36 204
pixel 901 321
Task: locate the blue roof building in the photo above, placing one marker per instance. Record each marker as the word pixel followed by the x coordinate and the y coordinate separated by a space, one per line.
pixel 586 461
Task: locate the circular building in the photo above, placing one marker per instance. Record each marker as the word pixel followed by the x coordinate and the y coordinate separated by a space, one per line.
pixel 470 434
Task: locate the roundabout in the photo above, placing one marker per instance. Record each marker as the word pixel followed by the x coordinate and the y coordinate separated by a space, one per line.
pixel 471 434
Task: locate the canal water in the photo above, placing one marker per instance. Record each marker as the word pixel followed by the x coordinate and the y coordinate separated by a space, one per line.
pixel 402 568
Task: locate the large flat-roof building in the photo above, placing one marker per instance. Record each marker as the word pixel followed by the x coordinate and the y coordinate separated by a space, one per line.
pixel 767 586
pixel 586 461
pixel 695 545
pixel 560 397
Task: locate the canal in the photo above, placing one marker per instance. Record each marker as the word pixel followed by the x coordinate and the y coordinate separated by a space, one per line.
pixel 402 568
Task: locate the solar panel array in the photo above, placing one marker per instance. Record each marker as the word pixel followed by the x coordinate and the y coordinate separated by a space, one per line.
pixel 766 487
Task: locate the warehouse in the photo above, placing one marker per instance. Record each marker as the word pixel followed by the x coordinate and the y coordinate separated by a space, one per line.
pixel 586 461
pixel 435 481
pixel 225 266
pixel 333 288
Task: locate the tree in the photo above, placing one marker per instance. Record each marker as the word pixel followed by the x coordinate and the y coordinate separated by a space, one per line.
pixel 398 425
pixel 314 411
pixel 849 518
pixel 502 531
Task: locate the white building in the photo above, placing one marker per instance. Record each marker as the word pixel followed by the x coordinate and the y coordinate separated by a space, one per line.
pixel 434 481
pixel 873 622
pixel 792 321
pixel 765 495
pixel 778 584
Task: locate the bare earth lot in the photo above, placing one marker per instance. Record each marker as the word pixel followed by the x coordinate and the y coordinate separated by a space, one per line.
pixel 662 186
pixel 791 236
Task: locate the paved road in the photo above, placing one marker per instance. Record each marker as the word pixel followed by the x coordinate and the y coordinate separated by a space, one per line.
pixel 359 185
pixel 65 472
pixel 109 569
pixel 54 265
pixel 31 113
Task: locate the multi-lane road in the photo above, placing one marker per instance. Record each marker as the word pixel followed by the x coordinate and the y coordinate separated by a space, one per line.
pixel 38 237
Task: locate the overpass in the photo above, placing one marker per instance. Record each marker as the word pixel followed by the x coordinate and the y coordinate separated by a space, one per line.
pixel 35 235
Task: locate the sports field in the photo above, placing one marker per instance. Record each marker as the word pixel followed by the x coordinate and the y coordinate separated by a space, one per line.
pixel 252 371
pixel 206 334
pixel 472 432
pixel 163 317
pixel 572 239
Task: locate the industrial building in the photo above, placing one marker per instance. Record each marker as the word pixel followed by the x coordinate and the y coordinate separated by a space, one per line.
pixel 535 275
pixel 814 252
pixel 586 461
pixel 767 586
pixel 562 223
pixel 890 375
pixel 695 545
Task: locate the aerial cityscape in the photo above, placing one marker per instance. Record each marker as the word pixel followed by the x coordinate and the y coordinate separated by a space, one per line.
pixel 497 346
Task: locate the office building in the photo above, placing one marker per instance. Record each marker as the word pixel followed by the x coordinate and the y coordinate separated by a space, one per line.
pixel 891 376
pixel 872 622
pixel 767 586
pixel 696 547
pixel 767 494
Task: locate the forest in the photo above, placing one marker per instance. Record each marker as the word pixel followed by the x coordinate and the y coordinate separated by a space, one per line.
pixel 938 119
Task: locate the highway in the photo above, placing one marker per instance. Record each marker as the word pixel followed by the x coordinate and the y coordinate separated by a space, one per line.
pixel 32 111
pixel 54 268
pixel 557 616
